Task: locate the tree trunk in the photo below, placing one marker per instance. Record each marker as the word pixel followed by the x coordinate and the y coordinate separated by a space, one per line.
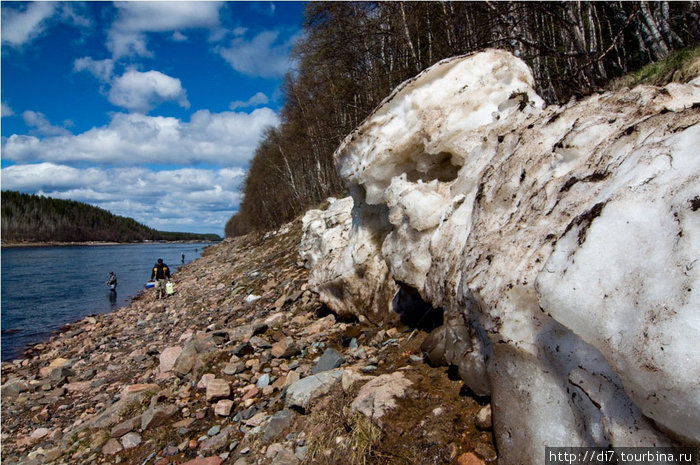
pixel 407 36
pixel 658 44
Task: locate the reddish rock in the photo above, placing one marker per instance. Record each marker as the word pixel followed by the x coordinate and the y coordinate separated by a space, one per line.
pixel 135 388
pixel 168 357
pixel 469 459
pixel 112 447
pixel 205 461
pixel 252 392
pixel 223 407
pixel 79 386
pixel 205 380
pixel 122 428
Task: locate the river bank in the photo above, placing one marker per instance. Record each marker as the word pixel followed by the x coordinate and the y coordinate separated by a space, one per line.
pixel 241 365
pixel 62 244
pixel 44 288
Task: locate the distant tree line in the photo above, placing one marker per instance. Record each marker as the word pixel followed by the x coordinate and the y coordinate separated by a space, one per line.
pixel 353 54
pixel 33 218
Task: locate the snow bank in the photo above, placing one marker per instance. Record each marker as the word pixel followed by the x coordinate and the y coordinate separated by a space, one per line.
pixel 563 243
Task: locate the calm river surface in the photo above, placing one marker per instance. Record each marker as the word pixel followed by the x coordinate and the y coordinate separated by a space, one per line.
pixel 44 288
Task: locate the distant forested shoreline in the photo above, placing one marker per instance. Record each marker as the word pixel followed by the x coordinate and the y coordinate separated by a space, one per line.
pixel 34 220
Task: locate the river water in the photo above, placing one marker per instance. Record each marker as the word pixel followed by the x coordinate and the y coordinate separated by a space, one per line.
pixel 43 288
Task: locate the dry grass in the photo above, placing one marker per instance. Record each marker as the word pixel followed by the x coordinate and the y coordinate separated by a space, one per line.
pixel 346 438
pixel 681 66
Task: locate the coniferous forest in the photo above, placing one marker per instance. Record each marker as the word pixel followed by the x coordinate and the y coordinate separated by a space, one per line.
pixel 34 218
pixel 353 54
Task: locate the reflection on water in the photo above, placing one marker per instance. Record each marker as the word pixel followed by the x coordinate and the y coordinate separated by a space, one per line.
pixel 112 296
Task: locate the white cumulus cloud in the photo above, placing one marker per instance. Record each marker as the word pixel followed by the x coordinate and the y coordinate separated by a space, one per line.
pixel 6 110
pixel 101 69
pixel 22 22
pixel 41 124
pixel 255 100
pixel 127 36
pixel 265 55
pixel 141 91
pixel 178 37
pixel 20 26
pixel 226 139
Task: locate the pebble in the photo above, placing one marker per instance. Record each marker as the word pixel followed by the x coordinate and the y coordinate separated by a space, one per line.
pixel 263 381
pixel 483 418
pixel 214 430
pixel 469 459
pixel 131 440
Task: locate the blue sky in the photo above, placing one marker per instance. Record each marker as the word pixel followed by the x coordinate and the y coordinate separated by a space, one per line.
pixel 150 110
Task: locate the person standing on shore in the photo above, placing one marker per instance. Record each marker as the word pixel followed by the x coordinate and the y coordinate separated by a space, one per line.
pixel 161 275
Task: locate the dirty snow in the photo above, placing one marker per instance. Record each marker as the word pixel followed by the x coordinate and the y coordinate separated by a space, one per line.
pixel 568 236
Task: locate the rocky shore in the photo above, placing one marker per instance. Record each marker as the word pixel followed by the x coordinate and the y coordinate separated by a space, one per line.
pixel 242 365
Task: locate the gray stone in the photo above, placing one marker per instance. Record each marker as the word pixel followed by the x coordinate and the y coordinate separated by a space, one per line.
pixel 234 368
pixel 243 349
pixel 377 397
pixel 301 393
pixel 245 414
pixel 186 360
pixel 278 423
pixel 263 381
pixel 14 387
pixel 218 442
pixel 260 343
pixel 280 455
pixel 329 360
pixel 214 430
pixel 301 452
pixel 60 375
pixel 131 440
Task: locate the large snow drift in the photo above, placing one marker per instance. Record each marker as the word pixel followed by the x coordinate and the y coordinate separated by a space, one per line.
pixel 563 243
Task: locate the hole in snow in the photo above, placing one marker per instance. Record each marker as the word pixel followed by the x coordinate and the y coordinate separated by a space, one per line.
pixel 433 166
pixel 414 311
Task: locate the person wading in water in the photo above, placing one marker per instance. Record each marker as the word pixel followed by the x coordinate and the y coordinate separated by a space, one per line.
pixel 112 281
pixel 161 275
